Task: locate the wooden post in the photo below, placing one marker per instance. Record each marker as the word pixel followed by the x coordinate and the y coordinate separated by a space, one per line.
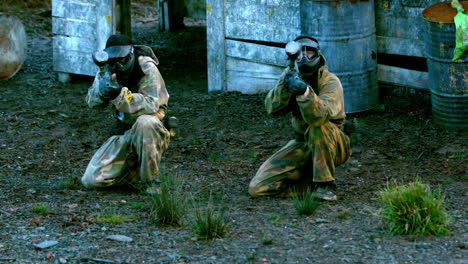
pixel 216 50
pixel 125 18
pixel 171 14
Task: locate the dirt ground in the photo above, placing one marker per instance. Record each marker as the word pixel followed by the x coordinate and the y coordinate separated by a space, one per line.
pixel 48 135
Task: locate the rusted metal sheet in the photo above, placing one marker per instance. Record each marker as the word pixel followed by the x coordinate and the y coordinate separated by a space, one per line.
pixel 263 20
pixel 80 28
pixel 12 45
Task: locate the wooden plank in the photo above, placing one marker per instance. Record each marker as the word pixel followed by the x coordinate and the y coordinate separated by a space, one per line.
pixel 76 62
pixel 256 53
pixel 264 20
pixel 79 10
pixel 250 77
pixel 403 77
pixel 215 45
pixel 73 28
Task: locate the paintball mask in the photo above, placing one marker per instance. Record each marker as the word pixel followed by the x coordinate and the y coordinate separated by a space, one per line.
pixel 310 59
pixel 121 56
pixel 121 59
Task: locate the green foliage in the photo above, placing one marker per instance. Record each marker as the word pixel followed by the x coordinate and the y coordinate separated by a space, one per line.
pixel 458 155
pixel 305 203
pixel 170 205
pixel 414 210
pixel 274 219
pixel 266 241
pixel 71 183
pixel 40 209
pixel 113 218
pixel 344 215
pixel 253 153
pixel 209 223
pixel 136 206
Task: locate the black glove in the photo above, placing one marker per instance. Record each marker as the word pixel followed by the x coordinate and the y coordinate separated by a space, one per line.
pixel 294 84
pixel 109 88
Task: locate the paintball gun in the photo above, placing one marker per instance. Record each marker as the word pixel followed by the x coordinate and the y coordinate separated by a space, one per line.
pixel 294 51
pixel 108 87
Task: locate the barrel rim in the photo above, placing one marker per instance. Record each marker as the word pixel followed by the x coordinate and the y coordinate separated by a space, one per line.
pixel 439 6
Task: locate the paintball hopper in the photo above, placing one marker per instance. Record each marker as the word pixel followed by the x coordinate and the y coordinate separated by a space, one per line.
pixel 100 58
pixel 294 51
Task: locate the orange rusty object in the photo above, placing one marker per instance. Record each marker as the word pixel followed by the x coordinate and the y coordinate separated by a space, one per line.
pixel 442 12
pixel 12 45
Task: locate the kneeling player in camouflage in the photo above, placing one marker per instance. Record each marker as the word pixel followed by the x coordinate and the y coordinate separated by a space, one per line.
pixel 314 96
pixel 135 89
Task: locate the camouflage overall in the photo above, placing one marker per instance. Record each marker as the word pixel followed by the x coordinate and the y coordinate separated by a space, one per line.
pixel 320 145
pixel 135 155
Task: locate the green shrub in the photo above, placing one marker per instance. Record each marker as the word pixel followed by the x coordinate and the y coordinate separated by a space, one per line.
pixel 169 206
pixel 414 209
pixel 209 223
pixel 40 209
pixel 305 203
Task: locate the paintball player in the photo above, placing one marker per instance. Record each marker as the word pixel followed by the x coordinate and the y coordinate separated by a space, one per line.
pixel 314 96
pixel 136 91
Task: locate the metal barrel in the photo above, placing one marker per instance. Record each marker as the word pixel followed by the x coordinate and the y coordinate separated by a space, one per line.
pixel 448 80
pixel 12 45
pixel 346 32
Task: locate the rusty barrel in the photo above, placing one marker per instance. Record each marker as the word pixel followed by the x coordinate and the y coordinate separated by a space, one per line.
pixel 448 80
pixel 346 32
pixel 12 45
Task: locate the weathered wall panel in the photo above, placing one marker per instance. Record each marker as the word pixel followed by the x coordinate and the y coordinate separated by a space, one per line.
pixel 80 28
pixel 256 53
pixel 400 26
pixel 262 20
pixel 196 8
pixel 66 27
pixel 216 52
pixel 74 10
pixel 251 77
pixel 253 68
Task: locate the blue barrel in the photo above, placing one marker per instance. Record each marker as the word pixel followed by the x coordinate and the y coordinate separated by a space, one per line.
pixel 448 80
pixel 346 31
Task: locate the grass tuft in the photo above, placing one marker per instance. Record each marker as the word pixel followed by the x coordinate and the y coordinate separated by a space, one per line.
pixel 40 209
pixel 169 206
pixel 112 218
pixel 414 209
pixel 71 183
pixel 305 203
pixel 209 223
